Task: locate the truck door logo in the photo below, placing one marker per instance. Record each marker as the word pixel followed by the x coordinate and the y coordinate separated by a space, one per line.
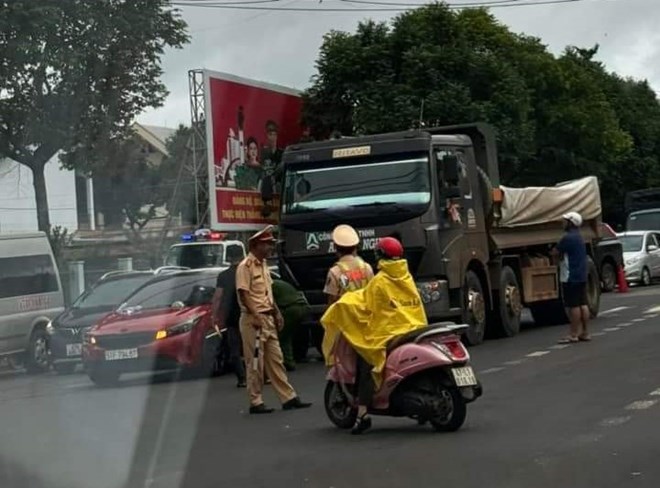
pixel 313 242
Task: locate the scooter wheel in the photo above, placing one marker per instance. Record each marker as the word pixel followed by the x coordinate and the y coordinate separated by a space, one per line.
pixel 337 407
pixel 453 419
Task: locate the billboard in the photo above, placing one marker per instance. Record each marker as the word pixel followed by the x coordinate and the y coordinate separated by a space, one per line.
pixel 248 125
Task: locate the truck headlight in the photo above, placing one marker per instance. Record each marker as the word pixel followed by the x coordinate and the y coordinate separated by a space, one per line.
pixel 50 330
pixel 430 291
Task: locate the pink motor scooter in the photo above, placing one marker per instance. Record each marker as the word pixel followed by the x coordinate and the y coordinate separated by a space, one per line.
pixel 427 377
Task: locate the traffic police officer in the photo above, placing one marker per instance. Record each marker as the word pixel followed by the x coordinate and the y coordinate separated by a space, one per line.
pixel 260 320
pixel 350 272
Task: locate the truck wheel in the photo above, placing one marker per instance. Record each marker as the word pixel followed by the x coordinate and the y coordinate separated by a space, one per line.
pixel 474 306
pixel 593 288
pixel 509 304
pixel 608 276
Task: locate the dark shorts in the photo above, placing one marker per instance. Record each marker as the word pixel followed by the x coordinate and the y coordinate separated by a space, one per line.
pixel 575 294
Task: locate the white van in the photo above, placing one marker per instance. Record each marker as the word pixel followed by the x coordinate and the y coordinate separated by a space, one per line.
pixel 30 296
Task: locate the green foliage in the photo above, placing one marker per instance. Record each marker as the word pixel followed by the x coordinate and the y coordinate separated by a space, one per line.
pixel 557 117
pixel 74 74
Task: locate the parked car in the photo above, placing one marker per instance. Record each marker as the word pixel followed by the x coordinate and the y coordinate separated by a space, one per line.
pixel 164 324
pixel 641 252
pixel 30 296
pixel 608 255
pixel 66 331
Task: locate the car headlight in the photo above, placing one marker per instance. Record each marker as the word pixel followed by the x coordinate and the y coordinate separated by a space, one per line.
pixel 177 329
pixel 632 261
pixel 89 339
pixel 49 328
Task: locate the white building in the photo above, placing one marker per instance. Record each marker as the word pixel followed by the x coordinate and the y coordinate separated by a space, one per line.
pixel 18 210
pixel 69 202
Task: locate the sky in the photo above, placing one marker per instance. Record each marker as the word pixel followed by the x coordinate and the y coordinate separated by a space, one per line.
pixel 282 47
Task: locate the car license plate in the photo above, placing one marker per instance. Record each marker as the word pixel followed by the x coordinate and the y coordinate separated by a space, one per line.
pixel 73 349
pixel 119 354
pixel 464 376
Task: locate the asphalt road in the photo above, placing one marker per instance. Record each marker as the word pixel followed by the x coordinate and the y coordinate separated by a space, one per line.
pixel 584 415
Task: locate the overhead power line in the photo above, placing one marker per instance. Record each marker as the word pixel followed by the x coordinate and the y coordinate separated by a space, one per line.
pixel 378 6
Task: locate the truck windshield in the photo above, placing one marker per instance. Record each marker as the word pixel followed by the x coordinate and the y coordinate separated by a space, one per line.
pixel 401 180
pixel 644 221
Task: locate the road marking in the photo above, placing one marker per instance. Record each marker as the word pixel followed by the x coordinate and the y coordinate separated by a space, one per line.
pixel 617 309
pixel 559 346
pixel 638 320
pixel 537 354
pixel 79 385
pixel 514 363
pixel 641 404
pixel 655 392
pixel 611 329
pixel 598 334
pixel 614 421
pixel 626 324
pixel 655 309
pixel 652 316
pixel 491 370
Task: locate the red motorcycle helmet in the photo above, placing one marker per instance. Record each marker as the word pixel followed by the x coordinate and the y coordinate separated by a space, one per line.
pixel 389 248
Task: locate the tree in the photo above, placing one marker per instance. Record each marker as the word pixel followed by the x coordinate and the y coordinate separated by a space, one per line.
pixel 74 74
pixel 556 117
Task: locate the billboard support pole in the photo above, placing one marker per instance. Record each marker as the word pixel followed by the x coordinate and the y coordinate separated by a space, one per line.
pixel 197 144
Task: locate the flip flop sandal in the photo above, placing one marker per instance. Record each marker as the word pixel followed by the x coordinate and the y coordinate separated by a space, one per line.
pixel 568 340
pixel 584 338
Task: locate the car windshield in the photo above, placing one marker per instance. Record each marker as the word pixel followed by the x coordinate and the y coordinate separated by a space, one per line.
pixel 162 293
pixel 644 221
pixel 398 180
pixel 196 256
pixel 111 293
pixel 631 243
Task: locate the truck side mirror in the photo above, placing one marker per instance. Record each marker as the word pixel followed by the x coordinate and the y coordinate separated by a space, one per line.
pixel 450 169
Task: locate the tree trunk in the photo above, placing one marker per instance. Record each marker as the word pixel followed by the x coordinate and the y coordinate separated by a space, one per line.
pixel 41 197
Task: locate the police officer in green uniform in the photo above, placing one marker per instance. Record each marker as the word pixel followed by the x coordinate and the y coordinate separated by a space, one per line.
pixel 295 308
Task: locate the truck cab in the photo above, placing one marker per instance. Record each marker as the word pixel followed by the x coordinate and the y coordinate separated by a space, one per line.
pixel 204 248
pixel 437 190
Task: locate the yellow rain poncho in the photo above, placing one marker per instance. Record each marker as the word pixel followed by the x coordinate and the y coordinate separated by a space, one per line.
pixel 388 306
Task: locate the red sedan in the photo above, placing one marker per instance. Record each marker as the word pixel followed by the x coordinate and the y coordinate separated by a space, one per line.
pixel 165 324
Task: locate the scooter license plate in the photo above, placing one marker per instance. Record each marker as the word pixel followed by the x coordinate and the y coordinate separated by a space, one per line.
pixel 464 376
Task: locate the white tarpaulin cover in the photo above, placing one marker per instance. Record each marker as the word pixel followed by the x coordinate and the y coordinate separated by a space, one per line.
pixel 539 204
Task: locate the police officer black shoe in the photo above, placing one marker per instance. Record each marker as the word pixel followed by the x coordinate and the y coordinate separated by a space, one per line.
pixel 295 404
pixel 241 384
pixel 261 408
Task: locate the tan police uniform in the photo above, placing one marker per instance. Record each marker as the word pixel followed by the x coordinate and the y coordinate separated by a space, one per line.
pixel 350 273
pixel 253 276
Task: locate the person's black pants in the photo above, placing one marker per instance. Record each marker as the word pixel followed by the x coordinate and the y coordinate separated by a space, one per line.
pixel 236 353
pixel 365 382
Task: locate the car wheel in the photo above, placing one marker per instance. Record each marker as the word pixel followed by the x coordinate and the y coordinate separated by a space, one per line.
pixel 37 359
pixel 646 277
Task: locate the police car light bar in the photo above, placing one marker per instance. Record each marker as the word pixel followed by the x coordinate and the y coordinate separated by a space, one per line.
pixel 202 235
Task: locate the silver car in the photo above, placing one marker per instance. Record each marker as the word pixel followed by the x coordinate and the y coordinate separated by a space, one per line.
pixel 641 253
